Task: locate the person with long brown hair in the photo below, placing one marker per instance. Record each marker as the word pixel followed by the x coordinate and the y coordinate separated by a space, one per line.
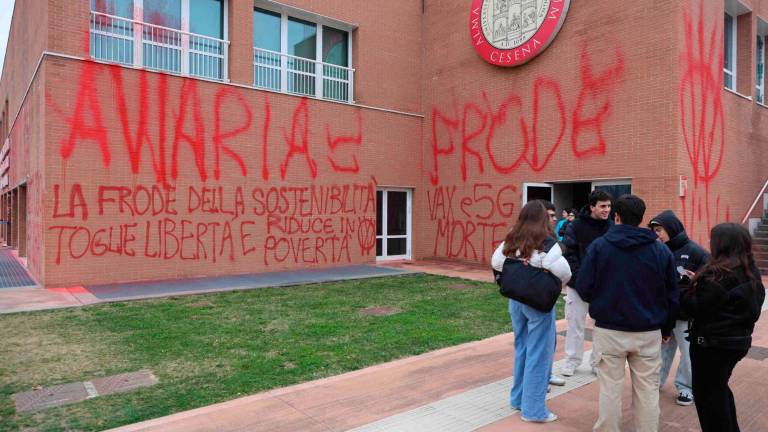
pixel 531 240
pixel 724 302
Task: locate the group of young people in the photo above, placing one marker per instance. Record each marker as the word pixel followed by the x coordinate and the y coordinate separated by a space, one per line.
pixel 651 291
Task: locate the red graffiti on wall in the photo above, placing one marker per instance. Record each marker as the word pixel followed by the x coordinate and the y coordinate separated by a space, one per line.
pixel 289 224
pixel 595 89
pixel 299 126
pixel 470 221
pixel 147 127
pixel 219 137
pixel 588 118
pixel 702 118
pixel 333 143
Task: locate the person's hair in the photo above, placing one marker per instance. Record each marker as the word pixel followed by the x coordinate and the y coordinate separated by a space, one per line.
pixel 731 248
pixel 573 211
pixel 598 195
pixel 548 205
pixel 630 209
pixel 529 232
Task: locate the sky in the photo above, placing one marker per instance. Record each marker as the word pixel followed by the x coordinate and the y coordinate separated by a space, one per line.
pixel 6 12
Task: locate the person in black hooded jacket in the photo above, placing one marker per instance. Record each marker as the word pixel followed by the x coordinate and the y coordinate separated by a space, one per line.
pixel 689 258
pixel 724 303
pixel 629 280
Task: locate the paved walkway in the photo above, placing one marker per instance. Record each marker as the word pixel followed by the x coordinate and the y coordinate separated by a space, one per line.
pixel 36 298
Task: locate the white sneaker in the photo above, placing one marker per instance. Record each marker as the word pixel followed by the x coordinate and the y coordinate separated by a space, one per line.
pixel 550 418
pixel 557 380
pixel 568 370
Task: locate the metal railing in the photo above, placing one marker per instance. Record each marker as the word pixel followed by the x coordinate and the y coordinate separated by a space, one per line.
pixel 297 75
pixel 763 190
pixel 135 43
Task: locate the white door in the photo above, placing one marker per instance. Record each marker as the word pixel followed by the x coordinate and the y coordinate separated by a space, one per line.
pixel 393 223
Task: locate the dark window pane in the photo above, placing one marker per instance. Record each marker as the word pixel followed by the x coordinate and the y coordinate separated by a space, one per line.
pixel 335 48
pixel 301 38
pixel 538 192
pixel 397 213
pixel 396 246
pixel 121 8
pixel 379 216
pixel 266 30
pixel 206 17
pixel 378 247
pixel 165 13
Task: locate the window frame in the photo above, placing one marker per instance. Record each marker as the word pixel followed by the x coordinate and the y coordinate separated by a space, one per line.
pixel 760 74
pixel 321 22
pixel 733 57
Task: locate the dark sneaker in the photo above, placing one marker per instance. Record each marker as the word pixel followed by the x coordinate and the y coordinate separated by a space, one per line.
pixel 684 399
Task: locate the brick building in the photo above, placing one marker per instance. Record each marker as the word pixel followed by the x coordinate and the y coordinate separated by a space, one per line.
pixel 147 139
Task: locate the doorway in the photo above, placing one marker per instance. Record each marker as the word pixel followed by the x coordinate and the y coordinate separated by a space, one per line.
pixel 565 195
pixel 393 223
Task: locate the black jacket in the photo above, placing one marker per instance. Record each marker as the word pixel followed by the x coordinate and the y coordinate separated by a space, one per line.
pixel 630 282
pixel 726 307
pixel 688 254
pixel 578 236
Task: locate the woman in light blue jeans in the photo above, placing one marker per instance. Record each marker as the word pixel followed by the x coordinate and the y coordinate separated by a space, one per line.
pixel 534 330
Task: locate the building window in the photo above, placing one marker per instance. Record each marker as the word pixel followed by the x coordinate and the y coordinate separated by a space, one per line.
pixel 301 55
pixel 184 37
pixel 729 61
pixel 760 70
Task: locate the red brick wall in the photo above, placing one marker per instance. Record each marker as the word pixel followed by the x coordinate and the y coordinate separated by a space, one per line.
pixel 26 118
pixel 745 54
pixel 607 90
pixel 340 150
pixel 23 51
pixel 604 102
pixel 726 169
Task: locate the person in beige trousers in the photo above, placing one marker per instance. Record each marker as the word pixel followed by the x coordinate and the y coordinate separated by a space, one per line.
pixel 630 282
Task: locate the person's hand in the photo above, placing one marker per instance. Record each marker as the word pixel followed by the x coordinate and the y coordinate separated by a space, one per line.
pixel 690 274
pixel 665 339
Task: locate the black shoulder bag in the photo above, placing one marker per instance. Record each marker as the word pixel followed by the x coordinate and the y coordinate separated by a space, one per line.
pixel 533 286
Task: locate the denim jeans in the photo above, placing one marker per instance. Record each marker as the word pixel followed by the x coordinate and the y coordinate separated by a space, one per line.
pixel 534 334
pixel 683 380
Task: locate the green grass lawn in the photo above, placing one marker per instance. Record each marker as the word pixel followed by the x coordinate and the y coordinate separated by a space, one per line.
pixel 211 348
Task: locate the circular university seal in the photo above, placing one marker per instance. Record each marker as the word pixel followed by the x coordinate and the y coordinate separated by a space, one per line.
pixel 513 32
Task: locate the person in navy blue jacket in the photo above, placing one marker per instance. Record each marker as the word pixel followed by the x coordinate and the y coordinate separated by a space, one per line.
pixel 630 282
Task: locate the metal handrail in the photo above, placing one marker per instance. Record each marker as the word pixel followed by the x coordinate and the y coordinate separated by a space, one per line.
pixel 146 24
pixel 140 44
pixel 299 75
pixel 754 203
pixel 255 49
